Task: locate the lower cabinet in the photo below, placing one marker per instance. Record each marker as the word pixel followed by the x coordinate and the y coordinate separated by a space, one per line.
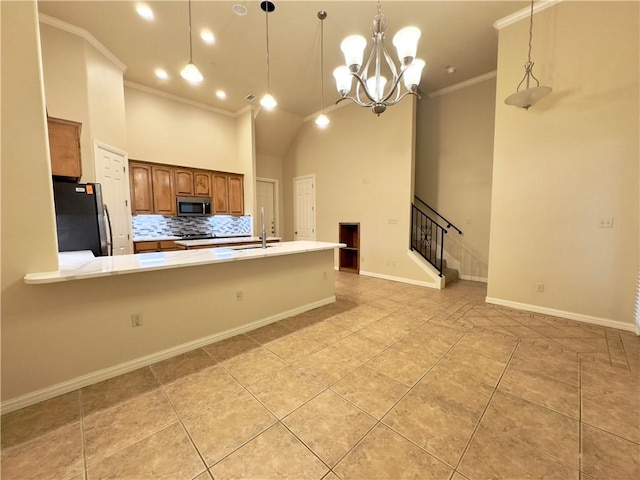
pixel 153 246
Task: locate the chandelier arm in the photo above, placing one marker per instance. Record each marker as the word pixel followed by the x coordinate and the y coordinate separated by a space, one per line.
pixel 392 67
pixel 362 83
pixel 364 70
pixel 392 103
pixel 357 102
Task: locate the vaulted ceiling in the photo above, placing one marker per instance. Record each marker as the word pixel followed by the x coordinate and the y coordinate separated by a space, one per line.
pixel 456 33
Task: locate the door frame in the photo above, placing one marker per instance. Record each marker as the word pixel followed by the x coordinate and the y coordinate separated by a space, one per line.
pixel 312 176
pixel 276 200
pixel 97 144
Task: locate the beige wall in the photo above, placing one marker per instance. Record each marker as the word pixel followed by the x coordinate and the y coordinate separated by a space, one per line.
pixel 363 175
pixel 163 130
pixel 247 157
pixel 82 85
pixel 454 158
pixel 105 91
pixel 66 89
pixel 568 162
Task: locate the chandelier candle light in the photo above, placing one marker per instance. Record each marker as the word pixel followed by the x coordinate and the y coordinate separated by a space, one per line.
pixel 190 72
pixel 528 96
pixel 268 101
pixel 371 89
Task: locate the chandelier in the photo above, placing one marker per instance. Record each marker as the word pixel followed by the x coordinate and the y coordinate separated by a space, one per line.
pixel 372 89
pixel 528 96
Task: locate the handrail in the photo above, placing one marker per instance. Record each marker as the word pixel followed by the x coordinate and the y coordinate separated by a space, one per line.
pixel 427 238
pixel 449 224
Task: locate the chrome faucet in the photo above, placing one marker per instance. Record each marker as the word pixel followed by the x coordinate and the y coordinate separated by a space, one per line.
pixel 263 231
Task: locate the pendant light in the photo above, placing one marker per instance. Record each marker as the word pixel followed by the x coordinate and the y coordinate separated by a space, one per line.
pixel 190 72
pixel 528 96
pixel 268 101
pixel 322 120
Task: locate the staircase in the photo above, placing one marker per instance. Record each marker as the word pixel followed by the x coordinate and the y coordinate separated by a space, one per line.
pixel 427 239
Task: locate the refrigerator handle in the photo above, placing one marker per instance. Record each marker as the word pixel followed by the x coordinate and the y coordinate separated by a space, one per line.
pixel 106 211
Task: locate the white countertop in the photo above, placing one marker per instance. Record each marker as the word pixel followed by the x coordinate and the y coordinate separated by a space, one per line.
pixel 222 241
pixel 81 265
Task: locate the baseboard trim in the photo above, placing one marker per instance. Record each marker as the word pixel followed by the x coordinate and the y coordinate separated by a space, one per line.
pixel 107 373
pixel 471 278
pixel 603 322
pixel 398 279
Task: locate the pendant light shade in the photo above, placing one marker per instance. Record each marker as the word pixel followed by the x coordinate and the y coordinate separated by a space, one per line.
pixel 529 95
pixel 190 72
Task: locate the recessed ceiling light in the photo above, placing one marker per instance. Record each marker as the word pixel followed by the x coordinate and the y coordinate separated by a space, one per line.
pixel 144 11
pixel 207 36
pixel 162 74
pixel 239 10
pixel 221 94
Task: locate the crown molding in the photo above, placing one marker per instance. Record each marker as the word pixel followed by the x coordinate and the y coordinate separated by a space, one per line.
pixel 175 98
pixel 81 32
pixel 461 85
pixel 524 13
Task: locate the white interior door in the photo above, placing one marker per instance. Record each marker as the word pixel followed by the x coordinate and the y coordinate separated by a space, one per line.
pixel 111 172
pixel 304 208
pixel 266 198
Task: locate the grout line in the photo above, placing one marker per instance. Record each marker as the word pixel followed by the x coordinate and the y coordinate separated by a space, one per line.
pixel 82 437
pixel 486 406
pixel 580 449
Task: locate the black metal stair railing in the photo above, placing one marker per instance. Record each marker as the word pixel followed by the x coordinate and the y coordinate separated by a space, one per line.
pixel 427 237
pixel 449 224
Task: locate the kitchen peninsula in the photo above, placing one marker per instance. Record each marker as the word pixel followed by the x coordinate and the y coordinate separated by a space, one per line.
pixel 185 299
pixel 88 266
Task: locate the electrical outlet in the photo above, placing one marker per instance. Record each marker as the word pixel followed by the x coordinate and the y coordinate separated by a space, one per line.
pixel 239 296
pixel 606 222
pixel 540 287
pixel 136 320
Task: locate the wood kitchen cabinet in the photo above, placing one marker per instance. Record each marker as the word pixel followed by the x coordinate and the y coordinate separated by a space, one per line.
pixel 155 246
pixel 184 181
pixel 202 183
pixel 164 196
pixel 64 147
pixel 152 189
pixel 228 193
pixel 236 194
pixel 140 182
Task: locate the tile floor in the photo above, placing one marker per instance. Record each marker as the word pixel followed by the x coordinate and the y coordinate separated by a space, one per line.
pixel 392 381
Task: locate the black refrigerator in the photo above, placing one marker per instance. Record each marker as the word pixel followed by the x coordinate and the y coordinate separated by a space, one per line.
pixel 81 218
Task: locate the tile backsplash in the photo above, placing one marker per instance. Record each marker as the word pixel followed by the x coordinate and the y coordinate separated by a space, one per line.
pixel 219 225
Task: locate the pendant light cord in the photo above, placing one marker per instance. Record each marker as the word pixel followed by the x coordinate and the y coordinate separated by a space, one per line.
pixel 322 62
pixel 530 32
pixel 190 41
pixel 266 16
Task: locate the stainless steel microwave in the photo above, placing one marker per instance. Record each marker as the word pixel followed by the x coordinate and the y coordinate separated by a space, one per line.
pixel 193 206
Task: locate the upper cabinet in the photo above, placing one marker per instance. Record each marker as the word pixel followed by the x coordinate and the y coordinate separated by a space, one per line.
pixel 64 147
pixel 221 189
pixel 236 194
pixel 202 183
pixel 164 196
pixel 228 193
pixel 154 188
pixel 184 181
pixel 190 182
pixel 141 188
